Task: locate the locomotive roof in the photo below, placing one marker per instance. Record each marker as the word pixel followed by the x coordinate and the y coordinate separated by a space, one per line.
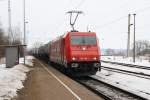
pixel 74 33
pixel 78 33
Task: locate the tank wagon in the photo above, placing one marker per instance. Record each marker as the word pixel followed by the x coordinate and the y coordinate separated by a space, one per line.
pixel 43 52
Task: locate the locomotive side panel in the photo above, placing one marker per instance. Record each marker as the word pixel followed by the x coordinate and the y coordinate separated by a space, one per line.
pixel 67 48
pixel 54 51
pixel 57 51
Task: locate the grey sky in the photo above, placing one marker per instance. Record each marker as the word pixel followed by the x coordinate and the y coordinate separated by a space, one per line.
pixel 108 18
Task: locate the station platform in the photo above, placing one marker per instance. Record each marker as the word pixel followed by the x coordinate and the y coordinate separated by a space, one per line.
pixel 46 83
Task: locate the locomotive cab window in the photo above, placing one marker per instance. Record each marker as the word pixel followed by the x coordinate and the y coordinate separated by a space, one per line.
pixel 83 40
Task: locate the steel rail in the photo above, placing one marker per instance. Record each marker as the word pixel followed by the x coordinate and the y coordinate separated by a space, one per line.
pixel 107 91
pixel 141 75
pixel 128 65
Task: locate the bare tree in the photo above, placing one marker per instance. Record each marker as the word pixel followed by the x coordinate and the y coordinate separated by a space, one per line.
pixel 16 36
pixel 141 46
pixel 110 52
pixel 36 46
pixel 3 41
pixel 120 53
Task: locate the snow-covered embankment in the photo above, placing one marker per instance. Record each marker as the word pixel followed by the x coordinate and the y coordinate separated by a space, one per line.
pixel 11 79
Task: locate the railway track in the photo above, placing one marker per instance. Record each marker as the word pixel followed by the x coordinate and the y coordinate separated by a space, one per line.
pixel 137 74
pixel 128 65
pixel 109 92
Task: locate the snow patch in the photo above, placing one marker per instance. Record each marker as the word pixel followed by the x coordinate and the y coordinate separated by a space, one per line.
pixel 2 65
pixel 30 57
pixel 136 85
pixel 11 80
pixel 28 60
pixel 2 60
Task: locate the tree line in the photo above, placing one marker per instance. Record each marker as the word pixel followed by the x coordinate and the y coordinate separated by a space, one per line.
pixel 142 48
pixel 5 39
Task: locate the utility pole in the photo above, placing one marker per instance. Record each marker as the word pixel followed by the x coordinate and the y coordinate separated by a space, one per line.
pixel 9 23
pixel 134 40
pixel 128 40
pixel 24 29
pixel 24 22
pixel 72 23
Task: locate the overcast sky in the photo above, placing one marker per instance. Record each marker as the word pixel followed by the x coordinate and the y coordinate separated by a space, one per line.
pixel 47 19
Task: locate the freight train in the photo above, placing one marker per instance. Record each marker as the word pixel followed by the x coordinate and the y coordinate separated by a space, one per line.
pixel 76 53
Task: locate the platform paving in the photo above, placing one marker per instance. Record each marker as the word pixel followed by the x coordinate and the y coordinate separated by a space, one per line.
pixel 46 83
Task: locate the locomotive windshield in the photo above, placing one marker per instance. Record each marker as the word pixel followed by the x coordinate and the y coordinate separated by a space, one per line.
pixel 83 40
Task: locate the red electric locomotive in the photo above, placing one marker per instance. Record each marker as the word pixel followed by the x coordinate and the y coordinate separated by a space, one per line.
pixel 77 51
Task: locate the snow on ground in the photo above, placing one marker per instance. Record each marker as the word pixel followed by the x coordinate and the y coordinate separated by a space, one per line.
pixel 2 65
pixel 143 61
pixel 28 61
pixel 2 60
pixel 11 79
pixel 133 84
pixel 30 57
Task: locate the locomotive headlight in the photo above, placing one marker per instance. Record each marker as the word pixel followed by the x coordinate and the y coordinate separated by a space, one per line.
pixel 73 58
pixel 94 58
